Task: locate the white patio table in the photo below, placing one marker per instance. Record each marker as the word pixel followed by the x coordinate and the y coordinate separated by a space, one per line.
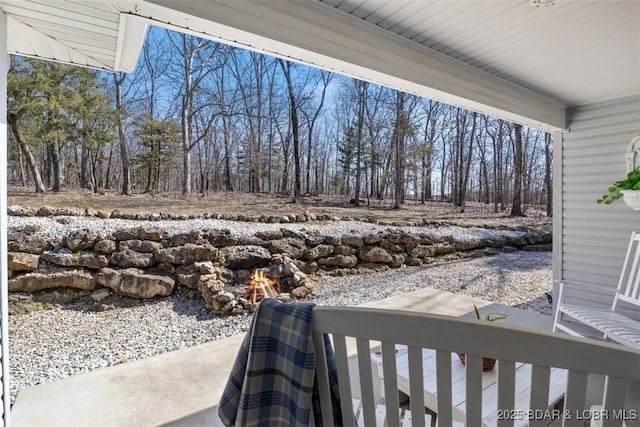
pixel 491 415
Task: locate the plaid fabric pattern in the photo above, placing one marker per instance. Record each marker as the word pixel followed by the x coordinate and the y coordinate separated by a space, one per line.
pixel 272 382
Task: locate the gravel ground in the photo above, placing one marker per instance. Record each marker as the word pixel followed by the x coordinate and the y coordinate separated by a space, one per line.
pixel 50 344
pixel 63 225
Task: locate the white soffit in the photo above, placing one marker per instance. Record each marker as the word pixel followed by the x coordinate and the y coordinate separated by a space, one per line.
pixel 574 51
pixel 318 34
pixel 501 57
pixel 89 34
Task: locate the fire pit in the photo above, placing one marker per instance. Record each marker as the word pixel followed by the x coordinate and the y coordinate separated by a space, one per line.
pixel 260 286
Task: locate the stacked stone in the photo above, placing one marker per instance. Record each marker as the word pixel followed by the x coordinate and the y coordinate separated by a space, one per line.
pixel 148 262
pixel 49 211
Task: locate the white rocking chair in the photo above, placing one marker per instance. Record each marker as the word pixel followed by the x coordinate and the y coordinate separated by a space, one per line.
pixel 612 324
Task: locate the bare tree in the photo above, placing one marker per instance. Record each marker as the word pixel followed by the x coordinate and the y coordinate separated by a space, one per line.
pixel 427 148
pixel 311 118
pixel 361 99
pixel 198 58
pixel 295 130
pixel 498 177
pixel 466 165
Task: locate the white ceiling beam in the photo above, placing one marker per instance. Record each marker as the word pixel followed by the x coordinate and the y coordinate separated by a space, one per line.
pixel 317 34
pixel 131 34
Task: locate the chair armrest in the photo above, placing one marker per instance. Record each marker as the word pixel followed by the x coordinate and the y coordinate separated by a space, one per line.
pixel 586 286
pixel 564 285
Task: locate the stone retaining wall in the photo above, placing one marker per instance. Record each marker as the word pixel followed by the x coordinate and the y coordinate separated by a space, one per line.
pixel 147 262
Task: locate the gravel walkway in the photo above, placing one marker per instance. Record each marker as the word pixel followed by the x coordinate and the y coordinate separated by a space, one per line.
pixel 47 345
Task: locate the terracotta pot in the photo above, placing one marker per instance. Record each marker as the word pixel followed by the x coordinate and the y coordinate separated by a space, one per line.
pixel 487 363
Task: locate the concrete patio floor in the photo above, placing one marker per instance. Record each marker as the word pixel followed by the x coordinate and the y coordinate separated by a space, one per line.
pixel 183 387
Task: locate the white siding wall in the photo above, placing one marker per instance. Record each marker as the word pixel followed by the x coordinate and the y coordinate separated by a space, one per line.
pixel 592 237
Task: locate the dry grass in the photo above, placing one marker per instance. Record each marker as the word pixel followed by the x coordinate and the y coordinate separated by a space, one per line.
pixel 270 204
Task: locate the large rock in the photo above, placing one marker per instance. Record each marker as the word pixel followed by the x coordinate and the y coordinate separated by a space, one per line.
pixel 220 237
pixel 495 241
pixel 355 241
pixel 17 233
pixel 82 239
pixel 152 233
pixel 246 257
pixel 371 239
pixel 16 210
pixel 374 254
pixel 128 258
pixel 409 239
pixel 47 211
pixel 146 246
pixel 141 233
pixel 467 244
pixel 344 250
pixel 391 246
pixel 70 212
pixel 314 239
pixel 319 251
pixel 190 279
pixel 210 287
pixel 422 251
pixel 135 283
pixel 35 282
pixel 293 247
pixel 34 244
pixel 105 246
pixel 397 260
pixel 343 261
pixel 440 249
pixel 270 234
pixel 187 254
pixel 88 260
pixel 21 261
pixel 181 239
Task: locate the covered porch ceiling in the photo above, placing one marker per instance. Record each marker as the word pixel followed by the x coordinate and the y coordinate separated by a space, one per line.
pixel 507 58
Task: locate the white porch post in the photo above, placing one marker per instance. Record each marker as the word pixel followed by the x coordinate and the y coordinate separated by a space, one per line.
pixel 4 279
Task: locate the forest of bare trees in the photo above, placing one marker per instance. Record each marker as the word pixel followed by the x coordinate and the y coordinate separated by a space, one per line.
pixel 197 117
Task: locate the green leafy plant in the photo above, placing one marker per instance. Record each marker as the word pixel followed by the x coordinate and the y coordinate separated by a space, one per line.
pixel 489 317
pixel 632 182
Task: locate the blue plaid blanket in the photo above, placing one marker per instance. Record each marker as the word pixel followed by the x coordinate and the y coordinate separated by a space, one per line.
pixel 273 380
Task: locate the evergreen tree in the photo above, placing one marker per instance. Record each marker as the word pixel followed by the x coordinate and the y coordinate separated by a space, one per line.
pixel 161 140
pixel 53 105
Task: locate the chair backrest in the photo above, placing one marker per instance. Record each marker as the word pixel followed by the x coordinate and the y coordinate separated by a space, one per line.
pixel 509 344
pixel 629 283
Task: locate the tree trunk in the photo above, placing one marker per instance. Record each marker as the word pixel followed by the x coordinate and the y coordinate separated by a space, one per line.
pixel 516 207
pixel 118 79
pixel 107 175
pixel 399 150
pixel 467 166
pixel 54 151
pixel 548 157
pixel 186 149
pixel 31 161
pixel 226 137
pixel 362 97
pixel 85 182
pixel 23 179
